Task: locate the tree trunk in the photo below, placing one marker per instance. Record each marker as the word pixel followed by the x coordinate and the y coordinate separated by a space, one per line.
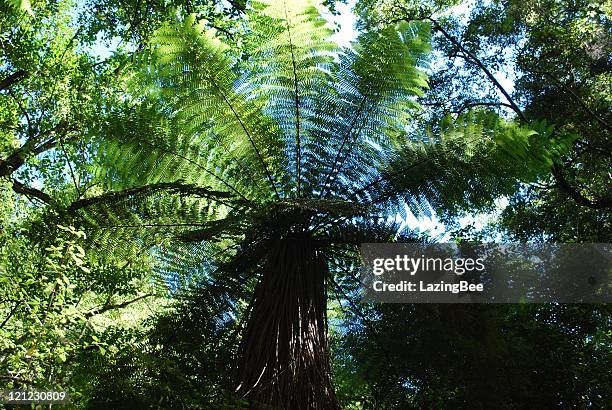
pixel 285 355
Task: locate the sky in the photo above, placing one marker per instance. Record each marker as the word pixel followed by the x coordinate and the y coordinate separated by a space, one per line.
pixel 345 20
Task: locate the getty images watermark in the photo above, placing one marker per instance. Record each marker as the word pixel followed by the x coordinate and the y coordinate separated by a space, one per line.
pixel 486 273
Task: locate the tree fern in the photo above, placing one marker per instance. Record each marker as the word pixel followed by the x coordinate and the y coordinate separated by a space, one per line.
pixel 268 170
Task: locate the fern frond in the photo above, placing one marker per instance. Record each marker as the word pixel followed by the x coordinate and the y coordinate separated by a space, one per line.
pixel 142 146
pixel 301 139
pixel 196 79
pixel 135 219
pixel 465 163
pixel 377 85
pixel 291 71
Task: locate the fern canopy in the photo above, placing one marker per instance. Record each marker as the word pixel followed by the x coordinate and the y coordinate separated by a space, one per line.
pixel 288 132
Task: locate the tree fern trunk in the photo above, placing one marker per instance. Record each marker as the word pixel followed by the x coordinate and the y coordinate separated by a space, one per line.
pixel 285 355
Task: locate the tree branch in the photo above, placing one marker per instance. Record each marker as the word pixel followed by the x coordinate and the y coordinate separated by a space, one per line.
pixel 72 175
pixel 16 379
pixel 23 111
pixel 19 156
pixel 562 183
pixel 565 88
pixel 483 103
pixel 565 187
pixel 21 188
pixel 11 313
pixel 13 161
pixel 112 306
pixel 13 79
pixel 471 57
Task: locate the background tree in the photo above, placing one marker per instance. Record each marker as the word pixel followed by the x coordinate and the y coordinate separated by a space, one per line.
pixel 59 304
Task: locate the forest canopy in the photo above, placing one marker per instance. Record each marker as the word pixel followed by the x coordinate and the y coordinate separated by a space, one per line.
pixel 184 186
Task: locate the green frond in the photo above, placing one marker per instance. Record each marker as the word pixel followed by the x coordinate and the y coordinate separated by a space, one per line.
pixel 465 162
pixel 300 108
pixel 136 219
pixel 196 80
pixel 378 82
pixel 287 133
pixel 302 135
pixel 292 69
pixel 142 146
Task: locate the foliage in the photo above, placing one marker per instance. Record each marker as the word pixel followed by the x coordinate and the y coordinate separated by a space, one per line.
pixel 55 305
pixel 299 138
pixel 556 56
pixel 480 356
pixel 184 185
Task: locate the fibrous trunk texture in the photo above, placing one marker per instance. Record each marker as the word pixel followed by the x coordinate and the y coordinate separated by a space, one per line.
pixel 285 355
